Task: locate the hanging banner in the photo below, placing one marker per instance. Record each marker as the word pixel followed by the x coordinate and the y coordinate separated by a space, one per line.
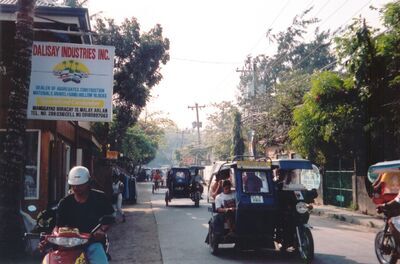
pixel 71 82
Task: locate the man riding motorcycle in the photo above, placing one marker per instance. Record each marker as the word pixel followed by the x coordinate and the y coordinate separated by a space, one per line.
pixel 82 209
pixel 393 206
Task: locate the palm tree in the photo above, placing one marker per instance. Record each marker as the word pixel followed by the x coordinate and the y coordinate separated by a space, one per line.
pixel 12 160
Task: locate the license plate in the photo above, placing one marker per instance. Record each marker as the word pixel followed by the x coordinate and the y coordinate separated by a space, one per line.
pixel 256 199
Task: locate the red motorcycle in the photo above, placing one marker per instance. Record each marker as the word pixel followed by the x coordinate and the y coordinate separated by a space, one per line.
pixel 67 245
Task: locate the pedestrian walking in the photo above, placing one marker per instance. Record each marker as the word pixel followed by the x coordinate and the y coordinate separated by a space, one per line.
pixel 118 187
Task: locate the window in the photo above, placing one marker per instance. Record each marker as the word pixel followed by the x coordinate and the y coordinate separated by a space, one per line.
pixel 32 165
pixel 255 182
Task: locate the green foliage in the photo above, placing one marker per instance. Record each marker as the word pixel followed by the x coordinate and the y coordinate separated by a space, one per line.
pixel 218 134
pixel 325 123
pixel 138 146
pixel 138 59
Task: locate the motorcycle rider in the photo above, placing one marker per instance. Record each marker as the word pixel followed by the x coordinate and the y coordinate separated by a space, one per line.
pixel 82 209
pixel 393 206
pixel 196 178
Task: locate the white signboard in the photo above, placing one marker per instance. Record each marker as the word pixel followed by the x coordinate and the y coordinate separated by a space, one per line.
pixel 71 82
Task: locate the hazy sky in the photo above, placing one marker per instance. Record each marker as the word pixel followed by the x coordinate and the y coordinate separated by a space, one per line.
pixel 210 39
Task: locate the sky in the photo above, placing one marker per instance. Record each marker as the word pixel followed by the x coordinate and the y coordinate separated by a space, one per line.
pixel 210 40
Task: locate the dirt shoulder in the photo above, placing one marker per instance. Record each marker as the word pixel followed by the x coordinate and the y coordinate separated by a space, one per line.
pixel 136 240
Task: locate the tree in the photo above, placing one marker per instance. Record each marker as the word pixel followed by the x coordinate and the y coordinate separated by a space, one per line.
pixel 218 134
pixel 373 59
pixel 138 146
pixel 12 160
pixel 138 58
pixel 325 123
pixel 237 138
pixel 287 72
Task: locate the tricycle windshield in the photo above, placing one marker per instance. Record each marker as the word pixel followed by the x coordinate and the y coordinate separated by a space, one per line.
pixel 255 181
pixel 180 175
pixel 298 179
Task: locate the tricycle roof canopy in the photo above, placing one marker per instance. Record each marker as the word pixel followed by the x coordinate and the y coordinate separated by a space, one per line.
pixel 382 167
pixel 293 164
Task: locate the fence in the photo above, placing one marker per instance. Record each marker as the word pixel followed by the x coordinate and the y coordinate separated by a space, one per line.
pixel 338 188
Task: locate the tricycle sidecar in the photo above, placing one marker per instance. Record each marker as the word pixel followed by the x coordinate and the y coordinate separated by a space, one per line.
pixel 256 206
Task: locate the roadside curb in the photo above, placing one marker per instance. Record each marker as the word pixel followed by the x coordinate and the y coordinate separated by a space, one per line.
pixel 347 216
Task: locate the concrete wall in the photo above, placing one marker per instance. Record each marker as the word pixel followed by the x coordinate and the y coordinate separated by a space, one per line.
pixel 365 204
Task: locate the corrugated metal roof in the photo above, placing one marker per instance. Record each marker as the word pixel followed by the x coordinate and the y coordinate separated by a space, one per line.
pixel 48 3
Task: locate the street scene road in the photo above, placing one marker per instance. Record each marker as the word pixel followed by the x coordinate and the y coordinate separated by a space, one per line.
pixel 182 229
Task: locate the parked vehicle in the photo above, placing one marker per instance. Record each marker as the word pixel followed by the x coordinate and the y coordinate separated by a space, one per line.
pixel 179 186
pixel 292 177
pixel 67 244
pixel 270 211
pixel 385 179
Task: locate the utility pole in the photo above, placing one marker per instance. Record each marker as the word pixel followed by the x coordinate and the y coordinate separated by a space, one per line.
pixel 251 135
pixel 253 71
pixel 197 123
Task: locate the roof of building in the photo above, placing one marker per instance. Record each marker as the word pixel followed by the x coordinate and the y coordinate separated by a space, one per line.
pixel 38 3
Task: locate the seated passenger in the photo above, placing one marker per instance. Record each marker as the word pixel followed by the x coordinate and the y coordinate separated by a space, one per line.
pixel 386 187
pixel 251 182
pixel 225 204
pixel 387 183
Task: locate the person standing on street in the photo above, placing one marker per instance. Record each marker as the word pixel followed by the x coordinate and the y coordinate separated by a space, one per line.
pixel 118 188
pixel 82 209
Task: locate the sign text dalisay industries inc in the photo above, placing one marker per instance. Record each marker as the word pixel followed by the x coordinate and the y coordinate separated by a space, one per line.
pixel 71 82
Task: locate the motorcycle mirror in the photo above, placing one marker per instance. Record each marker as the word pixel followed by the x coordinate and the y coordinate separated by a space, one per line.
pixel 107 220
pixel 32 208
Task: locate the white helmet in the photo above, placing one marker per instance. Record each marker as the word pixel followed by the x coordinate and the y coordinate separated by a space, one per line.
pixel 78 175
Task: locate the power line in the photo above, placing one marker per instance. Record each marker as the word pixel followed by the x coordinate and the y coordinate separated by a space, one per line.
pixel 274 63
pixel 272 23
pixel 206 62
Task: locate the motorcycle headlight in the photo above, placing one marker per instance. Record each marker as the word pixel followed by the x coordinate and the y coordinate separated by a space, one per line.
pixel 67 241
pixel 302 207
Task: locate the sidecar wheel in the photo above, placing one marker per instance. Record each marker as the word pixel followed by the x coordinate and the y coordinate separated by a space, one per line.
pixel 384 246
pixel 166 198
pixel 212 241
pixel 306 248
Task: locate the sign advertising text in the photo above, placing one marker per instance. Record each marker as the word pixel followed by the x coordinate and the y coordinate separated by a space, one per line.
pixel 71 82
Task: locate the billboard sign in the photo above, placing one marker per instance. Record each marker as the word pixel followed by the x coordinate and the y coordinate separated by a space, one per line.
pixel 71 82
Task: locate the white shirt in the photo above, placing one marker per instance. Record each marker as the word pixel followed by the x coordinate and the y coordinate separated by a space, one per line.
pixel 225 200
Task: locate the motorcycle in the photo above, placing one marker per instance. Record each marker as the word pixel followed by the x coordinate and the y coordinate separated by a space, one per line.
pixel 294 231
pixel 67 244
pixel 384 175
pixel 295 197
pixel 196 192
pixel 385 244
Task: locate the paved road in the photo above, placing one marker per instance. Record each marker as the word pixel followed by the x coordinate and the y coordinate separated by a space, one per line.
pixel 182 229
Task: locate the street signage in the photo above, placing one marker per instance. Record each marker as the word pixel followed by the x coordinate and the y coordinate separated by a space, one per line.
pixel 71 82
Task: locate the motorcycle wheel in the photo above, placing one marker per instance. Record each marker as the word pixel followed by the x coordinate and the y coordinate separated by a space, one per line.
pixel 306 246
pixel 152 189
pixel 384 246
pixel 212 241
